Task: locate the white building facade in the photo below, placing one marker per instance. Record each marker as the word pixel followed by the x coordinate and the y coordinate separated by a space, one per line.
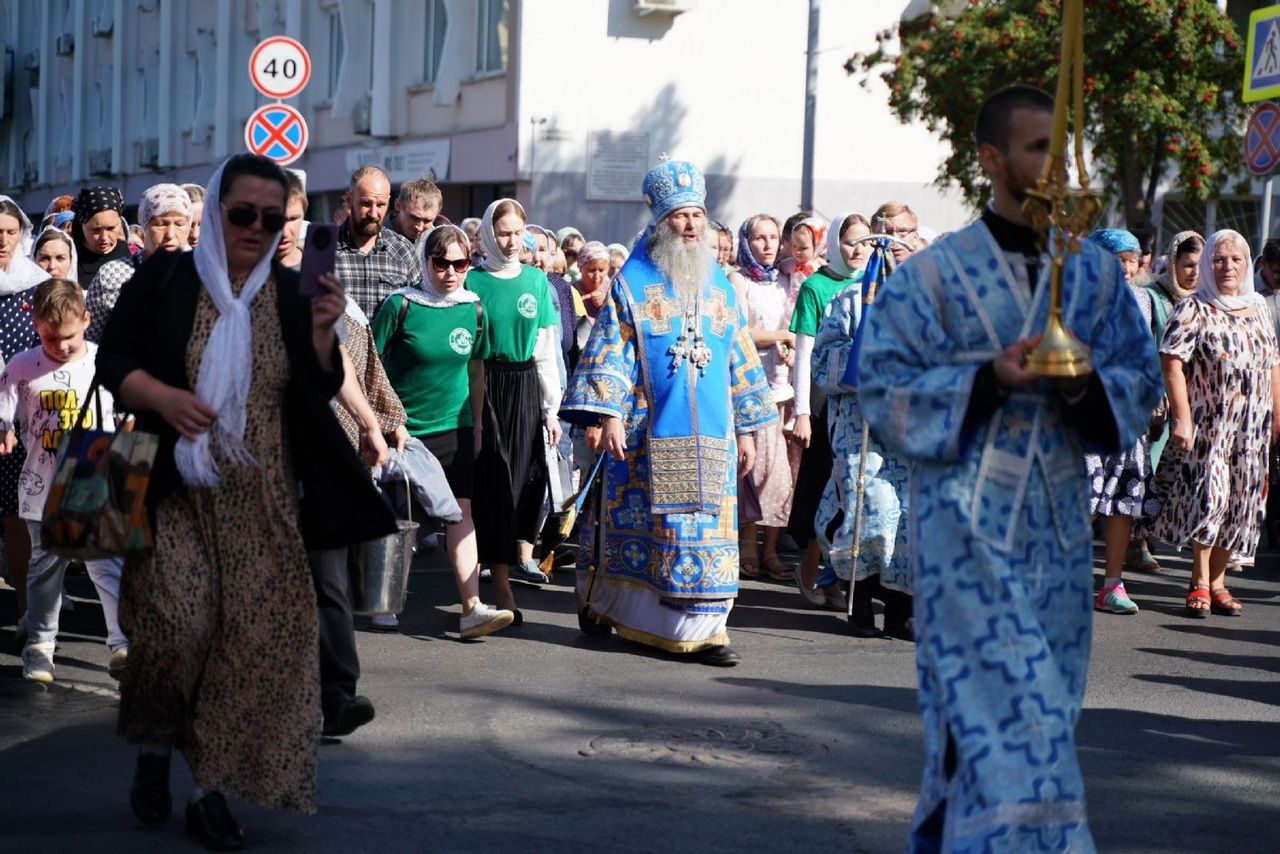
pixel 563 103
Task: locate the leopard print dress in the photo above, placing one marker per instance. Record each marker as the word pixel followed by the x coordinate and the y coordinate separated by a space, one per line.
pixel 222 616
pixel 1215 493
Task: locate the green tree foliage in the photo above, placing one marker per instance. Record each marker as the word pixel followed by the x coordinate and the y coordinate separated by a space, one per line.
pixel 1161 84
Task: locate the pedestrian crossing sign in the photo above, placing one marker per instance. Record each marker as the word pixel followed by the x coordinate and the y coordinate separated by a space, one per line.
pixel 1262 56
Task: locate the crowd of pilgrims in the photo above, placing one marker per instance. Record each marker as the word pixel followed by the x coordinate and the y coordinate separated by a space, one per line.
pixel 431 358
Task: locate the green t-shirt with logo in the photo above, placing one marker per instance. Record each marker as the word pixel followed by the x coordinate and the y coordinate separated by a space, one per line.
pixel 426 361
pixel 514 309
pixel 816 293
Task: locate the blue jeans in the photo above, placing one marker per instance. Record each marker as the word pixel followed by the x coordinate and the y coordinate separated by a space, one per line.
pixel 44 592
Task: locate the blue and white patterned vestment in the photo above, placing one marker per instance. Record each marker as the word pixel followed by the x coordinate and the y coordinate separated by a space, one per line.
pixel 1000 518
pixel 884 549
pixel 670 572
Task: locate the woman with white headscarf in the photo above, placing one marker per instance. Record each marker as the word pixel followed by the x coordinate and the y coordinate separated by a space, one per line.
pixel 19 277
pixel 521 401
pixel 222 356
pixel 165 216
pixel 55 252
pixel 1222 375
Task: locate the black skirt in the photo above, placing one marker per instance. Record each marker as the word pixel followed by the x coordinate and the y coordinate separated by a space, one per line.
pixel 815 471
pixel 511 469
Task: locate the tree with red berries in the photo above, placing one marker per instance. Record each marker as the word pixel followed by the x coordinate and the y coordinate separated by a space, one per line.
pixel 1161 87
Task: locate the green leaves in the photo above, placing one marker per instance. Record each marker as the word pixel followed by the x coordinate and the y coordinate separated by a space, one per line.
pixel 1161 87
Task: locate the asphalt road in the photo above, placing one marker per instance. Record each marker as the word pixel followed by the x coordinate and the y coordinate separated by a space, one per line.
pixel 538 739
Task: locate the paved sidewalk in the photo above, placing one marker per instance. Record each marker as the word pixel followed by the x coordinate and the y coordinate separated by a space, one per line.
pixel 538 739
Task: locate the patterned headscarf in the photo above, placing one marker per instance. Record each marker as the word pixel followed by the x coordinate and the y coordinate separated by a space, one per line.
pixel 162 199
pixel 95 200
pixel 1115 240
pixel 1207 286
pixel 1168 278
pixel 747 263
pixel 592 250
pixel 818 231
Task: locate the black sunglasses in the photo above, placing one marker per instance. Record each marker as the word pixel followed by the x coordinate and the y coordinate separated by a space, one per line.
pixel 442 264
pixel 245 217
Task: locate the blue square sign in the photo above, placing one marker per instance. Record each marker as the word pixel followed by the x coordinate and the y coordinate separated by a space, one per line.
pixel 1262 56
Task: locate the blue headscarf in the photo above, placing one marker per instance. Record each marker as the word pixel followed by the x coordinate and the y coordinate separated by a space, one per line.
pixel 747 263
pixel 1115 240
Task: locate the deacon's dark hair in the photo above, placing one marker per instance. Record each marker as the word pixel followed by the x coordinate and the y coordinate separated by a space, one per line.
pixel 256 166
pixel 992 125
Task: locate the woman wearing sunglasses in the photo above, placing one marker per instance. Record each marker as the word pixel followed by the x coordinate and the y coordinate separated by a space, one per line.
pixel 221 356
pixel 431 341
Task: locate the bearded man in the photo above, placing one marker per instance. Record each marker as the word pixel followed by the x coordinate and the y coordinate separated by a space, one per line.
pixel 372 260
pixel 671 380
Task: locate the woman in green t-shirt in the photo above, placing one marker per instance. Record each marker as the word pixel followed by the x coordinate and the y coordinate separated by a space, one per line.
pixel 431 337
pixel 521 400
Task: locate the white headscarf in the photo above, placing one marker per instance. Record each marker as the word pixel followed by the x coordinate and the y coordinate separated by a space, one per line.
pixel 226 368
pixel 73 272
pixel 422 292
pixel 1207 287
pixel 22 273
pixel 161 199
pixel 835 258
pixel 495 260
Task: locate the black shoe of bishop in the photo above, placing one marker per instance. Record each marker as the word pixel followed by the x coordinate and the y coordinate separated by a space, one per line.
pixel 716 656
pixel 349 717
pixel 149 796
pixel 209 821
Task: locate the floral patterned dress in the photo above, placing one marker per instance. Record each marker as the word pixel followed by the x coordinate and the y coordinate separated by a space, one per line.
pixel 1214 494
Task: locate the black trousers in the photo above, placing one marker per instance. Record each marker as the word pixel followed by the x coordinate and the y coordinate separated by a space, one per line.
pixel 339 663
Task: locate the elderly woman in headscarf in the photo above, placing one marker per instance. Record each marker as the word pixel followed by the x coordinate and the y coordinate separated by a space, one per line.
pixel 19 277
pixel 569 240
pixel 165 216
pixel 99 230
pixel 767 302
pixel 1119 483
pixel 223 358
pixel 1222 375
pixel 521 401
pixel 55 252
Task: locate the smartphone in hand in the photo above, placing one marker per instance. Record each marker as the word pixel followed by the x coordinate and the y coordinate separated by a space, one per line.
pixel 318 257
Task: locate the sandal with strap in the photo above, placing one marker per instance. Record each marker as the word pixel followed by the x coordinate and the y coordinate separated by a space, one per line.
pixel 1198 602
pixel 774 568
pixel 748 567
pixel 1224 604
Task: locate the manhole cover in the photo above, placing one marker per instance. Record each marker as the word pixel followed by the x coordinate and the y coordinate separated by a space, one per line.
pixel 734 746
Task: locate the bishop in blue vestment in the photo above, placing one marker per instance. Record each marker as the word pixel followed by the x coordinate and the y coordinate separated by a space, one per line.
pixel 672 378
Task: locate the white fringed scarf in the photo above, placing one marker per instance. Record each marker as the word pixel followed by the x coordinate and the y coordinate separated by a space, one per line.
pixel 226 367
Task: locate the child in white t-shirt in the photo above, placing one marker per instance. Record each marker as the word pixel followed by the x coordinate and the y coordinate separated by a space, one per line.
pixel 41 393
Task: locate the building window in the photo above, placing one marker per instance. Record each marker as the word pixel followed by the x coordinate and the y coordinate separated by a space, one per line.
pixel 491 35
pixel 433 47
pixel 336 48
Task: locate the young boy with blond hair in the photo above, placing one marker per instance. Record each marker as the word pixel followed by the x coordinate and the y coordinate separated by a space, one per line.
pixel 41 393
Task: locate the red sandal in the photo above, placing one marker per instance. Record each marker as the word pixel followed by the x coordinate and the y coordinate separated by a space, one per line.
pixel 1224 604
pixel 1198 601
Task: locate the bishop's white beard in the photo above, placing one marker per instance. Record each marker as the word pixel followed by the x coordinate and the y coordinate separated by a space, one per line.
pixel 687 265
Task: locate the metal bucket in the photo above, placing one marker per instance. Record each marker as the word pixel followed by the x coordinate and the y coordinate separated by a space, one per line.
pixel 381 580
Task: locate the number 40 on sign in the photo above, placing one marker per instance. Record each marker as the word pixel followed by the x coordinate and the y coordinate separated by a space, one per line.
pixel 279 67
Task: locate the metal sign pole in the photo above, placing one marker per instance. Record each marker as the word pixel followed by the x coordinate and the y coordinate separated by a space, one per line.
pixel 1266 212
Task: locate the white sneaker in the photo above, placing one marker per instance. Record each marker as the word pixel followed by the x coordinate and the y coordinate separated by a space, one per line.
pixel 37 662
pixel 384 623
pixel 484 620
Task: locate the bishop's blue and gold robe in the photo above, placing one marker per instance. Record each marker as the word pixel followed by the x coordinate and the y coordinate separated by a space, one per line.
pixel 1000 520
pixel 670 571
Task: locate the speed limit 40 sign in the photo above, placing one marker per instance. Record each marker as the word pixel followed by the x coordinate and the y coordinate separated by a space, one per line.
pixel 279 67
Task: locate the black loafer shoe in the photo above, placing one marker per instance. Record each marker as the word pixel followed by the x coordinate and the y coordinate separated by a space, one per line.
pixel 900 631
pixel 353 714
pixel 861 626
pixel 209 821
pixel 149 796
pixel 716 656
pixel 591 627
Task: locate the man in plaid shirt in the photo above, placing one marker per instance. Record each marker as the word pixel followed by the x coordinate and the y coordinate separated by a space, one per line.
pixel 372 260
